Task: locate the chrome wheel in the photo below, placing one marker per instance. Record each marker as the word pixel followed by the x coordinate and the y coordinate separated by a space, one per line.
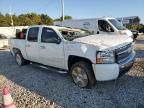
pixel 18 59
pixel 80 77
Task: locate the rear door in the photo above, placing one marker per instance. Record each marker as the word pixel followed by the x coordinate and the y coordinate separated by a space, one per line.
pixel 32 44
pixel 51 52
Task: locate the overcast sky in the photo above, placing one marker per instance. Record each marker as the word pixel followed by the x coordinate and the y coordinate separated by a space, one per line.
pixel 77 8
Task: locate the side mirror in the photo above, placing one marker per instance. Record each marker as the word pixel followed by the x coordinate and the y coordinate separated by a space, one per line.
pixel 57 40
pixel 111 30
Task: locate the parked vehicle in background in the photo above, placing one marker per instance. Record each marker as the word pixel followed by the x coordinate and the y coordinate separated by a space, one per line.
pixel 87 58
pixel 10 32
pixel 105 25
pixel 135 33
pixel 141 31
pixel 3 41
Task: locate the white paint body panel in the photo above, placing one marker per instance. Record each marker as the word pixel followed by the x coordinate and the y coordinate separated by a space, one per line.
pixel 32 51
pixel 128 33
pixel 81 50
pixel 20 44
pixel 53 54
pixel 105 72
pixel 105 41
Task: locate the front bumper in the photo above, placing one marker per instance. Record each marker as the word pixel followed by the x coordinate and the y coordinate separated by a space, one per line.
pixel 105 72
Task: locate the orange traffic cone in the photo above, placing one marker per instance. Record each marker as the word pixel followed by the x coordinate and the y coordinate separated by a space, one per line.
pixel 7 99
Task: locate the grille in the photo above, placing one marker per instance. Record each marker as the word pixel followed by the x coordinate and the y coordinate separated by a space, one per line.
pixel 123 53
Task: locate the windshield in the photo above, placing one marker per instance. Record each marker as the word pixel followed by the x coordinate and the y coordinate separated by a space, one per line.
pixel 70 34
pixel 117 24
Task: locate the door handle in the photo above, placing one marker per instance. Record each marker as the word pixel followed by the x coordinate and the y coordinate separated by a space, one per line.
pixel 28 45
pixel 42 47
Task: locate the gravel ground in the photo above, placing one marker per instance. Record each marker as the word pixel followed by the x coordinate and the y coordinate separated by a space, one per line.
pixel 34 87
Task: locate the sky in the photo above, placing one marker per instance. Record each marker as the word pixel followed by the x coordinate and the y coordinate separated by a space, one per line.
pixel 76 8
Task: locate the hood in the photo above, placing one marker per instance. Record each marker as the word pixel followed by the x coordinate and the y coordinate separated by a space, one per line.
pixel 127 32
pixel 105 41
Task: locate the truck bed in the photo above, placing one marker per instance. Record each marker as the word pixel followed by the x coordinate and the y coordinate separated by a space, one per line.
pixel 18 44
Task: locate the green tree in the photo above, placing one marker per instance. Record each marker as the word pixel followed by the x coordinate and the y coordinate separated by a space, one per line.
pixel 139 27
pixel 45 19
pixel 68 17
pixel 34 18
pixel 25 19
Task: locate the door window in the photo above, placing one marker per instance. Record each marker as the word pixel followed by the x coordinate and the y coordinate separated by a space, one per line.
pixel 48 35
pixel 33 34
pixel 104 26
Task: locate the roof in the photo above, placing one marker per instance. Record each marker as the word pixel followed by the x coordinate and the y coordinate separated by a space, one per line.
pixel 105 17
pixel 54 27
pixel 128 18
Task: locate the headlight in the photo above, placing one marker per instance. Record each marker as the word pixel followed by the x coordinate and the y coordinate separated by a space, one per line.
pixel 105 57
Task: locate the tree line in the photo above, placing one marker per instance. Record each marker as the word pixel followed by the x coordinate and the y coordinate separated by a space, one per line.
pixel 28 19
pixel 40 19
pixel 139 27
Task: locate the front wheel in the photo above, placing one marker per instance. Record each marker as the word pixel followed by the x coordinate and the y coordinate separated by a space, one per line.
pixel 83 75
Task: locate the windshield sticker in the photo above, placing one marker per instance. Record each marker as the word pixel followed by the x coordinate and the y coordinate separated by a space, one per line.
pixel 49 30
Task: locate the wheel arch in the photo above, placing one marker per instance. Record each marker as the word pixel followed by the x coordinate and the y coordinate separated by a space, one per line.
pixel 73 59
pixel 15 50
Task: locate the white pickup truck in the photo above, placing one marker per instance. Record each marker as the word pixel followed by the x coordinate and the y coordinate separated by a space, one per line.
pixel 88 58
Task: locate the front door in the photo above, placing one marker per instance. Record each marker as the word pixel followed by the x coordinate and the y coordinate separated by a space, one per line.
pixel 32 44
pixel 51 53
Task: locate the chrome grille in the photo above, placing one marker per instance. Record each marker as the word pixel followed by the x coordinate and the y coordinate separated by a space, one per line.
pixel 123 53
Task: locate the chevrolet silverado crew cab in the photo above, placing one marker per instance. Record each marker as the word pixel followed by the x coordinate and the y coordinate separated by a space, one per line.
pixel 86 57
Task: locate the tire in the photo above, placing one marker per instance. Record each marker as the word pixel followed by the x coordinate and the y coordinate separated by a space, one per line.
pixel 20 60
pixel 83 75
pixel 135 36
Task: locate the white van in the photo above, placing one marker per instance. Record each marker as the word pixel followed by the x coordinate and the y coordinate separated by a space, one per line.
pixel 104 25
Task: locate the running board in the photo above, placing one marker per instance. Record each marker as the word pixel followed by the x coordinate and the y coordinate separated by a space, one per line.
pixel 61 71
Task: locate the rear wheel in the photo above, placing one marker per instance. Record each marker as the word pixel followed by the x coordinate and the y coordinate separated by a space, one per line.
pixel 20 60
pixel 83 75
